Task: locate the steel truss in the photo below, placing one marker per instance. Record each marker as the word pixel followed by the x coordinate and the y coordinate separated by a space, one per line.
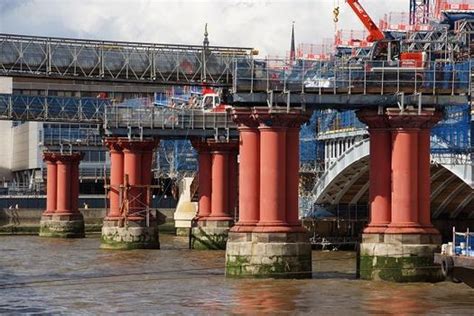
pixel 52 109
pixel 117 61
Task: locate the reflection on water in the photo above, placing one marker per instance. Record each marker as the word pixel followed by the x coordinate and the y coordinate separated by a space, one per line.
pixel 39 275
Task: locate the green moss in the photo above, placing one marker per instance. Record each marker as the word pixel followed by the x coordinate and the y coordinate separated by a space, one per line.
pixel 240 266
pixel 120 245
pixel 236 265
pixel 115 241
pixel 75 230
pixel 201 240
pixel 399 269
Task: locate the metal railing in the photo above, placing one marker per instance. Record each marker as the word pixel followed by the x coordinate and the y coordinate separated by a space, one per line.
pixel 166 118
pixel 52 109
pixel 117 61
pixel 351 77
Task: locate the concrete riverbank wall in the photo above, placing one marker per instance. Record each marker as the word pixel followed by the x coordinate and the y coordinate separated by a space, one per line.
pixel 27 220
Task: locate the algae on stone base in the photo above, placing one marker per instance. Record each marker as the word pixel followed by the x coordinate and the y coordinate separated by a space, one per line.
pixel 400 269
pixel 269 255
pixel 125 238
pixel 202 240
pixel 120 245
pixel 210 235
pixel 62 229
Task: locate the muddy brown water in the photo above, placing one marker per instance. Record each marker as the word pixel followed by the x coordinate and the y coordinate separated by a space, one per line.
pixel 53 276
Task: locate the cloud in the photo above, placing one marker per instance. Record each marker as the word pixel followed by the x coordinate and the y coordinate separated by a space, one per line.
pixel 261 24
pixel 7 6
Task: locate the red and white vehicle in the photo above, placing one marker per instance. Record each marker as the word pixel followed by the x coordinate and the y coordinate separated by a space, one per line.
pixel 211 101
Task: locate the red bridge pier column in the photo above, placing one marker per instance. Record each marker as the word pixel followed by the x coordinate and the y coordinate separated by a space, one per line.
pixel 249 171
pixel 424 178
pixel 211 229
pixel 409 240
pixel 204 178
pixel 233 181
pixel 277 244
pixel 65 220
pixel 51 183
pixel 220 186
pixel 130 223
pixel 380 170
pixel 116 178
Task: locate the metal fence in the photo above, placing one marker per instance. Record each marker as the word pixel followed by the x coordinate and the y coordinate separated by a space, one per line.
pixel 352 77
pixel 157 117
pixel 52 109
pixel 117 61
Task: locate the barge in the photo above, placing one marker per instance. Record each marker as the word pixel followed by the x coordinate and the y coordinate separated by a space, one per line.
pixel 457 258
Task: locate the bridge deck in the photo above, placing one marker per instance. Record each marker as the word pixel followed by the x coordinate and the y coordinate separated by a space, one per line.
pixel 345 84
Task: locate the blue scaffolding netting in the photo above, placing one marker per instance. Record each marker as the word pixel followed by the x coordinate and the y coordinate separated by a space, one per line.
pixel 308 144
pixel 453 134
pixel 176 156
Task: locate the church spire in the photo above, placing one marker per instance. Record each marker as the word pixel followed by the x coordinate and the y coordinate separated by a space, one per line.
pixel 292 47
pixel 205 43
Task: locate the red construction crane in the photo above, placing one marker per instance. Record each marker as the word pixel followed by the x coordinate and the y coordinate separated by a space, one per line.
pixel 375 34
pixel 385 49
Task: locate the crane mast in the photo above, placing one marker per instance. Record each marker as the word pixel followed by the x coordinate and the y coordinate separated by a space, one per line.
pixel 375 34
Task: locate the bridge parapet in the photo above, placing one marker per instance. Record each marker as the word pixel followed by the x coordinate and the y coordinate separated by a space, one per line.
pixel 166 121
pixel 349 84
pixel 52 109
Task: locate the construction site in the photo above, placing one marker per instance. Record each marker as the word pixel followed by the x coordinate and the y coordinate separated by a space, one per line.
pixel 360 142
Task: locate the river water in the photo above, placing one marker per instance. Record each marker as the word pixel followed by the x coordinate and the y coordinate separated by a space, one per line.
pixel 54 276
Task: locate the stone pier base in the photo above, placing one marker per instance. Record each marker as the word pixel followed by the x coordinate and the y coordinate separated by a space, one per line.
pixel 62 226
pixel 210 234
pixel 400 257
pixel 182 231
pixel 129 235
pixel 273 255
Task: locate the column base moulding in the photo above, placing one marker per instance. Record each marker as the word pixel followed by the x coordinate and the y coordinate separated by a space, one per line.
pixel 269 255
pixel 120 235
pixel 210 234
pixel 62 225
pixel 400 257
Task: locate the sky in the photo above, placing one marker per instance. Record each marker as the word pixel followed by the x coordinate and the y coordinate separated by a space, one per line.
pixel 261 24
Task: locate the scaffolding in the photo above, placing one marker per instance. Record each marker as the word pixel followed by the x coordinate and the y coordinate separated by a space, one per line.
pixel 351 38
pixel 452 136
pixel 400 22
pixel 452 6
pixel 314 52
pixel 175 159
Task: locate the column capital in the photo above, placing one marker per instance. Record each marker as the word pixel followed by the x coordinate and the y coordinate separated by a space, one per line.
pixel 373 119
pixel 244 118
pixel 210 145
pixel 231 146
pixel 50 157
pixel 201 145
pixel 281 118
pixel 112 143
pixel 71 158
pixel 425 119
pixel 62 158
pixel 137 145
